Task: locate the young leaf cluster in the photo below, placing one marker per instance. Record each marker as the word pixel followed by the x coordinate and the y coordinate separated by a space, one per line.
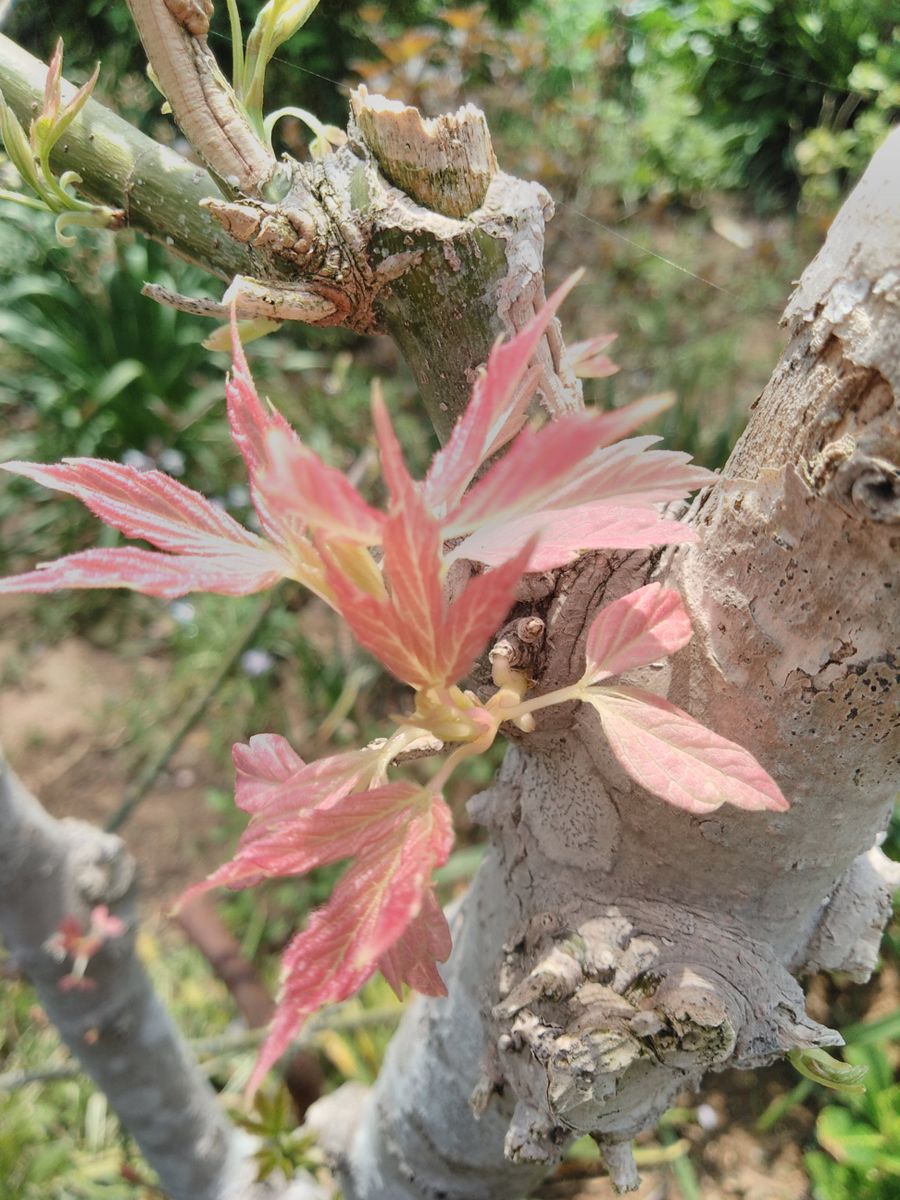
pixel 276 22
pixel 577 483
pixel 30 155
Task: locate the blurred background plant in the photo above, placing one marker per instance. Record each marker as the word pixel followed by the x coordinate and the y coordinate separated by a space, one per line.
pixel 696 152
pixel 859 1136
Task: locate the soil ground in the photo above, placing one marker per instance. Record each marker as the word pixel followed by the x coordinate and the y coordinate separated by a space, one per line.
pixel 62 729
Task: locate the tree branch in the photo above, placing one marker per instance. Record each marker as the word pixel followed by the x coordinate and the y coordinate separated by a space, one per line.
pixel 202 102
pixel 160 191
pixel 118 1030
pixel 445 272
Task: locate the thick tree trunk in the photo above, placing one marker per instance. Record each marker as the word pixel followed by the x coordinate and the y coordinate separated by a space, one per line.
pixel 613 949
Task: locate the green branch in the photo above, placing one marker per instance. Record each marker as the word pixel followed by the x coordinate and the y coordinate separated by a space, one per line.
pixel 159 190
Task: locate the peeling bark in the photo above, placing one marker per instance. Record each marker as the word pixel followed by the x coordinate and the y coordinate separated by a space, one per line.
pixel 173 33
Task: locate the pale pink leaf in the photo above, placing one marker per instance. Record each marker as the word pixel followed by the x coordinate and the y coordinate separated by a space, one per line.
pixel 677 758
pixel 636 629
pixel 403 628
pixel 373 623
pixel 273 782
pixel 496 410
pixel 401 868
pixel 538 464
pixel 104 925
pixel 302 491
pixel 587 359
pixel 413 957
pixel 364 823
pixel 144 504
pixel 252 423
pixel 317 968
pixel 629 473
pixel 166 575
pixel 393 465
pixel 479 611
pixel 359 824
pixel 617 423
pixel 410 630
pixel 368 913
pixel 562 534
pixel 262 767
pixel 565 465
pixel 412 568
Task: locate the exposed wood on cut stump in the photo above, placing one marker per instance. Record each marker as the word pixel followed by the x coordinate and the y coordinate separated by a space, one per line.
pixel 444 163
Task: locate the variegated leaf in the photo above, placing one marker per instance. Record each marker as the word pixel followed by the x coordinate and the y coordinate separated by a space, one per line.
pixel 496 410
pixel 634 630
pixel 560 535
pixel 165 575
pixel 144 504
pixel 677 758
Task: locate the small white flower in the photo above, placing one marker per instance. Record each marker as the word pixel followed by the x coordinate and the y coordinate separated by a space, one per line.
pixel 182 612
pixel 138 459
pixel 238 496
pixel 256 662
pixel 707 1117
pixel 171 461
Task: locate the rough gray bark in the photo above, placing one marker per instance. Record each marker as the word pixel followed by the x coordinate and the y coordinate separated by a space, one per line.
pixel 119 1031
pixel 613 949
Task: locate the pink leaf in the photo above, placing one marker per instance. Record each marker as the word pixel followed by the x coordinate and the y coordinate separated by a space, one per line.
pixel 353 824
pixel 252 423
pixel 370 910
pixel 587 359
pixel 617 423
pixel 410 629
pixel 478 613
pixel 637 629
pixel 262 767
pixel 273 782
pixel 561 535
pixel 413 957
pixel 537 465
pixel 104 925
pixel 677 758
pixel 303 491
pixel 565 465
pixel 628 473
pixel 401 869
pixel 317 968
pixel 393 465
pixel 495 412
pixel 412 568
pixel 403 628
pixel 166 575
pixel 374 626
pixel 144 504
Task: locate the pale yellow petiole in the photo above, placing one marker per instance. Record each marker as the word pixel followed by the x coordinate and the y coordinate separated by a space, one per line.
pixel 561 696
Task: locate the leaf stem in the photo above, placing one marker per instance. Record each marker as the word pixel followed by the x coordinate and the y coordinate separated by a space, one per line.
pixel 237 47
pixel 575 691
